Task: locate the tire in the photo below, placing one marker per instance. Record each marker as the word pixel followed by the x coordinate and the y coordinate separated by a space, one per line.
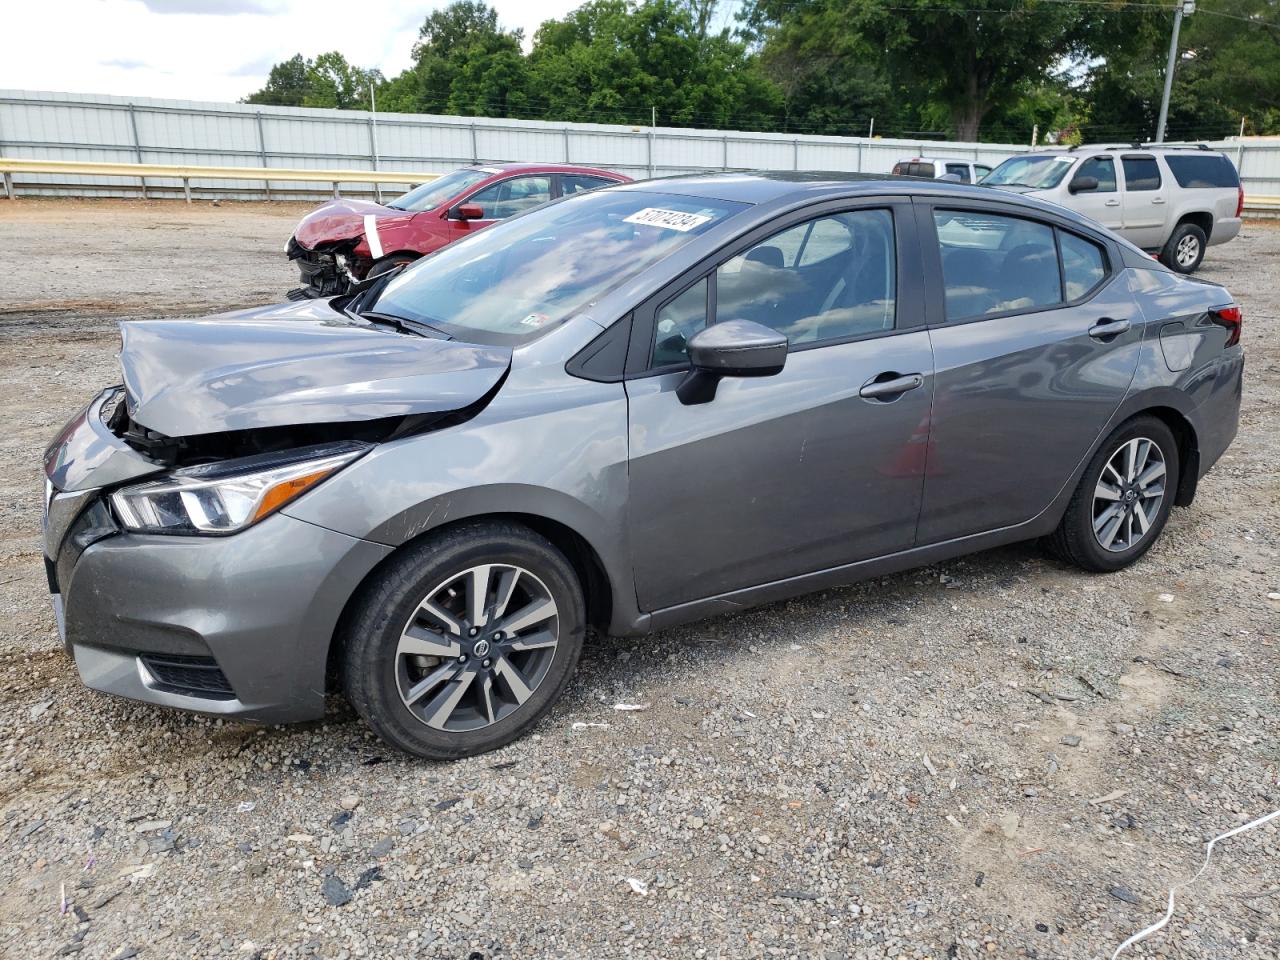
pixel 401 667
pixel 1076 541
pixel 387 263
pixel 1185 249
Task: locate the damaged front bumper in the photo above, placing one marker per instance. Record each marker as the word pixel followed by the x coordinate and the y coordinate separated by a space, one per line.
pixel 324 273
pixel 237 626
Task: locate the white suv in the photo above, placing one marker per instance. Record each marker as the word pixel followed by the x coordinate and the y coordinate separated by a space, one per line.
pixel 1170 200
pixel 935 168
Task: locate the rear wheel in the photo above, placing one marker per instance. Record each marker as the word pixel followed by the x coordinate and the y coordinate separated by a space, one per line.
pixel 1185 248
pixel 466 641
pixel 1124 498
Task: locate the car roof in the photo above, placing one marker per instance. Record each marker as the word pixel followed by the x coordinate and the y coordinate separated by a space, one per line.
pixel 768 186
pixel 523 167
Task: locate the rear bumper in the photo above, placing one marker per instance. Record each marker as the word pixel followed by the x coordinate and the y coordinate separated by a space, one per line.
pixel 1217 419
pixel 1224 230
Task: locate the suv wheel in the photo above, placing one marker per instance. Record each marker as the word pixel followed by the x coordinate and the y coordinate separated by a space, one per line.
pixel 1185 248
pixel 465 641
pixel 1123 500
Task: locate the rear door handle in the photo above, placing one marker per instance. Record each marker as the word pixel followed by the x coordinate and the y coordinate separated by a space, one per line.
pixel 889 386
pixel 1108 329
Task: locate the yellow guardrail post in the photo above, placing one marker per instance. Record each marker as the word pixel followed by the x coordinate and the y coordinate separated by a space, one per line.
pixel 162 171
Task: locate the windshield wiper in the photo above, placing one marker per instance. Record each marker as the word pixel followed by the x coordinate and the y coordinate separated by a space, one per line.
pixel 403 324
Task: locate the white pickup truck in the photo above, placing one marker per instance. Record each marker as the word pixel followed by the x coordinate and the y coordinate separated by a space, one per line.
pixel 1170 199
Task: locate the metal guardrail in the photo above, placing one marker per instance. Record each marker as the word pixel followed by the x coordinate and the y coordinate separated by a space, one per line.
pixel 161 171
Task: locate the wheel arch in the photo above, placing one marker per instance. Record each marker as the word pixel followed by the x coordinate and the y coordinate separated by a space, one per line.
pixel 1200 218
pixel 601 592
pixel 1171 411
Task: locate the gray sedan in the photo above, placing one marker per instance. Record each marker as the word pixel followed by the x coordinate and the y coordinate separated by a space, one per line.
pixel 623 410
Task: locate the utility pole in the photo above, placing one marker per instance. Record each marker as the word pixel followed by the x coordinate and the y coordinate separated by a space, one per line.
pixel 373 138
pixel 1184 7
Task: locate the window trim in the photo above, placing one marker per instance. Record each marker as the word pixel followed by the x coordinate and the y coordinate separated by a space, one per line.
pixel 935 285
pixel 909 304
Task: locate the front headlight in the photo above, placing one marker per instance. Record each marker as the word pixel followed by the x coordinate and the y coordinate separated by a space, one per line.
pixel 231 495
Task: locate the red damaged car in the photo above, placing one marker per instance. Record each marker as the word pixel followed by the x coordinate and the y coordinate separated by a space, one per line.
pixel 345 241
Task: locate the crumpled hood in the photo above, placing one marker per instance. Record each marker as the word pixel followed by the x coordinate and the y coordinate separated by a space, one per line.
pixel 342 219
pixel 290 364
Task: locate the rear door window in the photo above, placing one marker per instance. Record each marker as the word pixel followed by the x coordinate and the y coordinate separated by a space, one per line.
pixel 571 183
pixel 1083 265
pixel 995 264
pixel 1208 170
pixel 1141 173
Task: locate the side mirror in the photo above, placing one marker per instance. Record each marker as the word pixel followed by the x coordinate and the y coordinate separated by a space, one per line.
pixel 1083 185
pixel 467 211
pixel 735 348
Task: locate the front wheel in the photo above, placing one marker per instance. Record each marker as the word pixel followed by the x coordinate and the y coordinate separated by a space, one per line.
pixel 466 640
pixel 1185 248
pixel 1123 500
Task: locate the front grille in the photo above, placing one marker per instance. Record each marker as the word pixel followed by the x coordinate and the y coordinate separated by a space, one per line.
pixel 189 676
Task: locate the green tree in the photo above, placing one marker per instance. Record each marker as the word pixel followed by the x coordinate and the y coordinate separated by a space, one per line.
pixel 1228 71
pixel 327 81
pixel 942 58
pixel 286 85
pixel 618 61
pixel 464 63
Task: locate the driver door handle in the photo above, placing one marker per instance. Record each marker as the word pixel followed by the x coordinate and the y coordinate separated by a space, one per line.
pixel 882 389
pixel 1113 203
pixel 1106 328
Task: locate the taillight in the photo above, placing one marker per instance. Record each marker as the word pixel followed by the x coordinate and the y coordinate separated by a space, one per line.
pixel 1232 318
pixel 1240 201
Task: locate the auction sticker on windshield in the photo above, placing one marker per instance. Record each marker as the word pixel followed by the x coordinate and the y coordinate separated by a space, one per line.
pixel 668 219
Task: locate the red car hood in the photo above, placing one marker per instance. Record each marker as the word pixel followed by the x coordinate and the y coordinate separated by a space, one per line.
pixel 342 219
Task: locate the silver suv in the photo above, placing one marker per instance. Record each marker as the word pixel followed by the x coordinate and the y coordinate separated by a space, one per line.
pixel 1171 200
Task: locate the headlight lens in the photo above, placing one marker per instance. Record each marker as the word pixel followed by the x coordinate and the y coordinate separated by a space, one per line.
pixel 229 496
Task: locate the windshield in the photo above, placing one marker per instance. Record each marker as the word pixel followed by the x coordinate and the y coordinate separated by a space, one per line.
pixel 517 279
pixel 429 195
pixel 1038 173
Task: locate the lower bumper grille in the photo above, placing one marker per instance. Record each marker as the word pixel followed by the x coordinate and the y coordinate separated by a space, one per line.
pixel 189 676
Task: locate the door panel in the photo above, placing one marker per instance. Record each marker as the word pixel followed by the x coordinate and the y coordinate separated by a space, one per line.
pixel 1144 201
pixel 776 476
pixel 1102 204
pixel 1018 402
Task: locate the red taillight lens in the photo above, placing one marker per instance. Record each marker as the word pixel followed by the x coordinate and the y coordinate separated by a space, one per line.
pixel 1240 201
pixel 1233 319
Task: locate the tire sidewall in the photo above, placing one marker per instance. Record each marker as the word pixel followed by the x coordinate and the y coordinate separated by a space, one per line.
pixel 375 632
pixel 1170 257
pixel 1149 428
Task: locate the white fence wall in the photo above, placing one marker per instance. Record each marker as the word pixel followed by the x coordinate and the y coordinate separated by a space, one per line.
pixel 59 126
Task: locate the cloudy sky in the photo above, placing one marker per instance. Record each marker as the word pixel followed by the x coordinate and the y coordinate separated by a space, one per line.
pixel 210 49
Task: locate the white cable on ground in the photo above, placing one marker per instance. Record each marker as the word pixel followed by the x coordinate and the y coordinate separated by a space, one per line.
pixel 1208 853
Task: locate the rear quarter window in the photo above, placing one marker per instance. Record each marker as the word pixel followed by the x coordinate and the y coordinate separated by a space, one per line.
pixel 1194 171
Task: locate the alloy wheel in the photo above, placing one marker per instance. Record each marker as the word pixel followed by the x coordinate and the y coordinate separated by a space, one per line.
pixel 477 647
pixel 1129 494
pixel 1187 251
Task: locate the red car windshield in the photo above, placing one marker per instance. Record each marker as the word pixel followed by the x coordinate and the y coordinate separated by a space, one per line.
pixel 430 195
pixel 515 281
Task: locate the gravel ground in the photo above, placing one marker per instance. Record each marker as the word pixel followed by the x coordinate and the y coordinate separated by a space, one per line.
pixel 997 756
